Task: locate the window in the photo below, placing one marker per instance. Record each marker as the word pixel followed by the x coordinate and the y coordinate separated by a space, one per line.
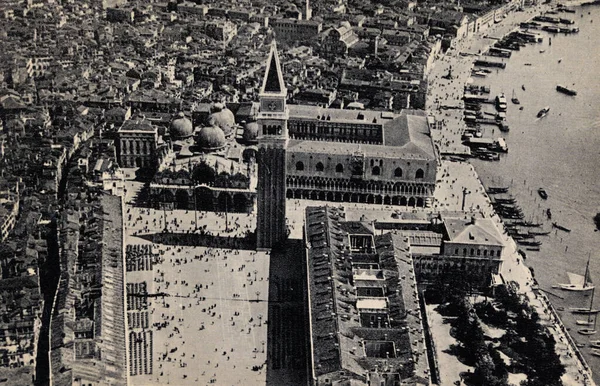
pixel 339 168
pixel 472 251
pixel 456 251
pixel 465 251
pixel 479 252
pixel 419 173
pixel 398 172
pixel 376 171
pixel 299 165
pixel 485 252
pixel 319 167
pixel 492 253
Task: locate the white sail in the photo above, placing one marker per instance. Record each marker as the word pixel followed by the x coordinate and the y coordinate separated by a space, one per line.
pixel 576 279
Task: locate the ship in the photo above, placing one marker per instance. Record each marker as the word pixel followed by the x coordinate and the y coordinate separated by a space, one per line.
pixel 566 90
pixel 543 112
pixel 501 102
pixel 514 99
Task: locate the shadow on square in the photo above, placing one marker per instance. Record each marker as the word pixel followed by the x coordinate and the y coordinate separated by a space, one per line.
pixel 287 343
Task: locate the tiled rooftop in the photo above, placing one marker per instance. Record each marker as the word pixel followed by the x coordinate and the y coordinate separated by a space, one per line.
pixel 338 313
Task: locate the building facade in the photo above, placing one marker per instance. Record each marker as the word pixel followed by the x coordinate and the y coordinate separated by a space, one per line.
pixel 136 145
pixel 360 156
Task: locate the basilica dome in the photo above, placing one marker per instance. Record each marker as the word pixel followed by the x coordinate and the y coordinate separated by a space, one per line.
pixel 181 127
pixel 222 117
pixel 210 138
pixel 250 132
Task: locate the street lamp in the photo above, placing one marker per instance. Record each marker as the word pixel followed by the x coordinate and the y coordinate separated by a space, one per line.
pixel 257 295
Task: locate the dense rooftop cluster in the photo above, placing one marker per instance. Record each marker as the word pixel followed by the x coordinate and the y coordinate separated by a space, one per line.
pixel 74 73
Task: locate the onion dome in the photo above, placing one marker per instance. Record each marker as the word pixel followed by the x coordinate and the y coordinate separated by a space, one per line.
pixel 222 117
pixel 181 127
pixel 250 132
pixel 210 138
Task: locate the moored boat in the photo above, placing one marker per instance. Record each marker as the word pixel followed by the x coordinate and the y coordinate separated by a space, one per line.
pixel 587 331
pixel 501 104
pixel 583 310
pixel 595 352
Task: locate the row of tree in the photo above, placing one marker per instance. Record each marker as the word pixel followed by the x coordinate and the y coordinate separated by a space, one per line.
pixel 528 344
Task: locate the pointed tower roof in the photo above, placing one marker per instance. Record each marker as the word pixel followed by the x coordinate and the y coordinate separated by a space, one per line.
pixel 273 81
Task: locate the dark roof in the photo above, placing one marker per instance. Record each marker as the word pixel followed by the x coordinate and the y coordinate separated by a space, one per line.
pixel 272 83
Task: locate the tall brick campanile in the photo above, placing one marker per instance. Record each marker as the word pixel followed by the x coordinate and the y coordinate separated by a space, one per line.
pixel 272 144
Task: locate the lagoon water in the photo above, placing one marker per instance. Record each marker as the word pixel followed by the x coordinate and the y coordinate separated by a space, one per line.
pixel 559 152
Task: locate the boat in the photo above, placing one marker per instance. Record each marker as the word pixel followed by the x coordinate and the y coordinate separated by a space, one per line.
pixel 583 310
pixel 562 228
pixel 543 112
pixel 560 308
pixel 533 243
pixel 542 193
pixel 521 108
pixel 523 87
pixel 539 233
pixel 549 214
pixel 528 64
pixel 566 90
pixel 535 249
pixel 594 345
pixel 595 342
pixel 522 253
pixel 501 102
pixel 514 99
pixel 542 51
pixel 584 323
pixel 579 282
pixel 497 189
pixel 587 331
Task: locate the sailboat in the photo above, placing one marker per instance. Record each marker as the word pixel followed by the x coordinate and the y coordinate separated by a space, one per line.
pixel 578 282
pixel 514 99
pixel 589 330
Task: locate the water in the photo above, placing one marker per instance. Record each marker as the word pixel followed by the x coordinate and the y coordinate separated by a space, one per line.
pixel 560 152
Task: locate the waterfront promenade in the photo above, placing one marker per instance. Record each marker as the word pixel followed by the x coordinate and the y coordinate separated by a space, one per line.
pixel 457 176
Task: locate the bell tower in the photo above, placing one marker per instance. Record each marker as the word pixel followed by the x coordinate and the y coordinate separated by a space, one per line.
pixel 272 144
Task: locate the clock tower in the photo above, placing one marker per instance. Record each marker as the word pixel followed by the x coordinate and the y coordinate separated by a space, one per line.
pixel 272 120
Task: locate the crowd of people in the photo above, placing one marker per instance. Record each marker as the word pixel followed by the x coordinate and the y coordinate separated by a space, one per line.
pixel 206 300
